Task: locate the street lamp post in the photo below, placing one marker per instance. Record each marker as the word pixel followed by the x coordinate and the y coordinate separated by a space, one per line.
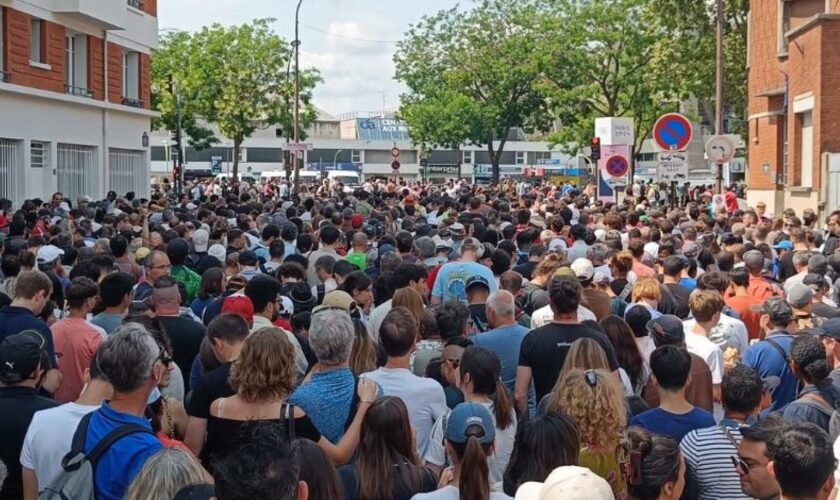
pixel 296 44
pixel 719 85
pixel 335 158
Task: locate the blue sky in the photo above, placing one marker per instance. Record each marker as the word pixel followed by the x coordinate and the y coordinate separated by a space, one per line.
pixel 358 75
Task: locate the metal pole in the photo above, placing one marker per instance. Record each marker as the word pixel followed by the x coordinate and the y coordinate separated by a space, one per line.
pixel 335 159
pixel 719 86
pixel 297 96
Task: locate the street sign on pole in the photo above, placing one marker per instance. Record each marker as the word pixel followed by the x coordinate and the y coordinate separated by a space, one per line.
pixel 613 169
pixel 720 149
pixel 215 165
pixel 298 147
pixel 672 132
pixel 395 165
pixel 395 152
pixel 672 170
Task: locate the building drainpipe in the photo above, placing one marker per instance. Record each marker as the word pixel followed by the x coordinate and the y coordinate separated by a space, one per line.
pixel 105 162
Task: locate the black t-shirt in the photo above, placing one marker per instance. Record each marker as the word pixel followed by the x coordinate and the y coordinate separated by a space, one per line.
pixel 478 315
pixel 679 303
pixel 526 269
pixel 18 405
pixel 786 267
pixel 213 385
pixel 186 335
pixel 533 298
pixel 402 490
pixel 544 350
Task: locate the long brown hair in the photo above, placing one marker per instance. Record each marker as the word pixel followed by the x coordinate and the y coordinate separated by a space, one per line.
pixel 409 298
pixel 484 369
pixel 386 451
pixel 265 368
pixel 363 355
pixel 474 477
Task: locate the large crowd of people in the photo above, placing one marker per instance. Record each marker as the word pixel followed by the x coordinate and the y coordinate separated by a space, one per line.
pixel 405 339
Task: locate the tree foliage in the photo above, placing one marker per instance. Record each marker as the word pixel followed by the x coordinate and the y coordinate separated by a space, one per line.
pixel 472 76
pixel 236 77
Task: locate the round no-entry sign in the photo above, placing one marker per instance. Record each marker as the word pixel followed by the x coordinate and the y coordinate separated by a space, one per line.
pixel 672 132
pixel 395 165
pixel 395 152
pixel 617 166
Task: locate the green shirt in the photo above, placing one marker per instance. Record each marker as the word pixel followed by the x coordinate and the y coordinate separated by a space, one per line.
pixel 189 278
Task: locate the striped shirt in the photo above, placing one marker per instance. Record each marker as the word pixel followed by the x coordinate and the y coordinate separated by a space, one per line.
pixel 709 470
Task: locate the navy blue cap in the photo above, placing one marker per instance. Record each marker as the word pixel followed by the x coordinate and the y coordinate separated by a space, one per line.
pixel 476 280
pixel 831 328
pixel 470 419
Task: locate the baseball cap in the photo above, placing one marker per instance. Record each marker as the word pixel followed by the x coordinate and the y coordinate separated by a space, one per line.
pixel 800 295
pixel 218 251
pixel 49 253
pixel 142 253
pixel 770 383
pixel 241 305
pixel 476 281
pixel 287 308
pixel 20 354
pixel 666 329
pixel 691 249
pixel 200 239
pixel 784 245
pixel 177 249
pixel 778 309
pixel 457 228
pixel 440 242
pixel 570 482
pixel 336 299
pixel 472 244
pixel 470 419
pixel 831 328
pixel 600 278
pixel 357 220
pixel 583 268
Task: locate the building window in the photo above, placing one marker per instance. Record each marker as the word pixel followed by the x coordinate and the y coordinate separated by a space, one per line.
pixel 131 75
pixel 243 155
pixel 75 65
pixel 137 4
pixel 39 154
pixel 355 156
pixel 36 41
pixel 466 157
pixel 521 157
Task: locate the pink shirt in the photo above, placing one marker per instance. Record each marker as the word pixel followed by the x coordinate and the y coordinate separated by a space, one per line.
pixel 76 341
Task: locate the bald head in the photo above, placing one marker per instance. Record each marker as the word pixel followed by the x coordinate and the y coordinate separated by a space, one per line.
pixel 501 309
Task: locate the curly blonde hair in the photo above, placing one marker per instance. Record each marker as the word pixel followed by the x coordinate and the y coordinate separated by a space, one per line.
pixel 598 409
pixel 265 368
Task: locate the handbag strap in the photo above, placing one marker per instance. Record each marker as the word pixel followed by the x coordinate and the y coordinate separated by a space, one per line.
pixel 287 415
pixel 778 348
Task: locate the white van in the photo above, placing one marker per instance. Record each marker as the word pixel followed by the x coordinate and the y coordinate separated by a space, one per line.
pixel 349 178
pixel 268 175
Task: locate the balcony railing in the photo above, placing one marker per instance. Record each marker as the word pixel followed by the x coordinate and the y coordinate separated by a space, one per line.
pixel 134 103
pixel 78 91
pixel 5 77
pixel 137 4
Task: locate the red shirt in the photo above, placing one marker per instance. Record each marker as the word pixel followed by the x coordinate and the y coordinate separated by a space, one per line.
pixel 76 341
pixel 743 306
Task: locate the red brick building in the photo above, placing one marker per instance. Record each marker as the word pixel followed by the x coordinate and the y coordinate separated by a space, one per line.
pixel 75 96
pixel 794 103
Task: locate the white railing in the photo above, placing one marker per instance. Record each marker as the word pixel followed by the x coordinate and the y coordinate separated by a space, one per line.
pixel 11 168
pixel 76 170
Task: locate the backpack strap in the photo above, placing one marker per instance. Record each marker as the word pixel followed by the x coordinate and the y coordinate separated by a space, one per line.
pixel 287 415
pixel 354 404
pixel 816 402
pixel 778 348
pixel 78 445
pixel 101 447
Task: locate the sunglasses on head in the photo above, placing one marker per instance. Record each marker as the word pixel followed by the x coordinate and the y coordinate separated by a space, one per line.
pixel 164 357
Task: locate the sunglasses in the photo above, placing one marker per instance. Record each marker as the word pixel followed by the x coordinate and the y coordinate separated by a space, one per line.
pixel 164 357
pixel 740 465
pixel 454 362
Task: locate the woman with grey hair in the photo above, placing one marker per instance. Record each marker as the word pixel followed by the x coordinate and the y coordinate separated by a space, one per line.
pixel 164 474
pixel 328 397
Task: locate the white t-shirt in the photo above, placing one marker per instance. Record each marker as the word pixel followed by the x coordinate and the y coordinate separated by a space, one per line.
pixel 49 438
pixel 452 493
pixel 545 315
pixel 706 349
pixel 498 461
pixel 423 397
pixel 729 332
pixel 377 315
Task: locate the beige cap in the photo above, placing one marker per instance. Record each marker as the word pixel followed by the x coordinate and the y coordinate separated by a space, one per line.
pixel 567 483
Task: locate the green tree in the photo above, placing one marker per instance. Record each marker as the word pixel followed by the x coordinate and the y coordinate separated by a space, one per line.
pixel 608 58
pixel 169 75
pixel 237 78
pixel 472 76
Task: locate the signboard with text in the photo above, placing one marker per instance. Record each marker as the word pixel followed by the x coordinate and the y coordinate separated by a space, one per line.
pixel 613 170
pixel 615 131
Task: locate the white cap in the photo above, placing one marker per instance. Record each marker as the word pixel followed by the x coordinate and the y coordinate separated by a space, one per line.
pixel 583 269
pixel 652 248
pixel 217 251
pixel 567 483
pixel 49 253
pixel 200 238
